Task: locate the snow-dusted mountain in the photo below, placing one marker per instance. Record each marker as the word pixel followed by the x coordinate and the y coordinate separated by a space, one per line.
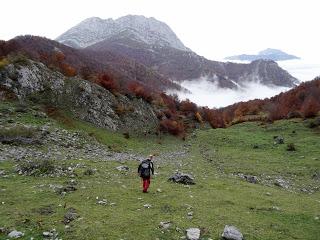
pixel 93 30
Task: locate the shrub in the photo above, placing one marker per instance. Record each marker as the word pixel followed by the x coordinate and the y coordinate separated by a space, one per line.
pixel 36 167
pixel 3 62
pixel 173 127
pixel 140 91
pixel 108 82
pixel 314 123
pixel 188 107
pixel 310 107
pixel 294 114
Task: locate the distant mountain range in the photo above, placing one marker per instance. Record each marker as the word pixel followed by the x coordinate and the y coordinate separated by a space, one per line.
pixel 267 54
pixel 153 44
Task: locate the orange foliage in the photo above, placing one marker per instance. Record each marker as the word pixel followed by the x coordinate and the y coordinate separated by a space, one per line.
pixel 188 107
pixel 140 91
pixel 171 126
pixel 310 107
pixel 108 82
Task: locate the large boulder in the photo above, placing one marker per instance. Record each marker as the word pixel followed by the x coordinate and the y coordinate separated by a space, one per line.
pixel 182 178
pixel 231 233
pixel 15 234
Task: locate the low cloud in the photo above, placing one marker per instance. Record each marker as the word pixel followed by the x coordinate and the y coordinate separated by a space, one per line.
pixel 205 93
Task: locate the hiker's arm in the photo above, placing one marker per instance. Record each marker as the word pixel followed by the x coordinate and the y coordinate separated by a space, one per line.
pixel 139 168
pixel 152 169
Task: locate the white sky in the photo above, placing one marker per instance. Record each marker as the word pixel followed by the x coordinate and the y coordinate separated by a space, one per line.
pixel 211 28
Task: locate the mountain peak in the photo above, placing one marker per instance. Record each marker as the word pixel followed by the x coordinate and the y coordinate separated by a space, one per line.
pixel 95 29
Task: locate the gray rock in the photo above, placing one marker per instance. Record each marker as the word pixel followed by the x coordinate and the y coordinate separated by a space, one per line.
pixel 165 225
pixel 15 234
pixel 282 183
pixel 182 178
pixel 231 233
pixel 70 216
pixel 102 202
pixel 47 234
pixel 122 168
pixel 278 140
pixel 251 179
pixel 193 233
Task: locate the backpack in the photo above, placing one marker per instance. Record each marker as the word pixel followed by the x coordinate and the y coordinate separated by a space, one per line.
pixel 145 170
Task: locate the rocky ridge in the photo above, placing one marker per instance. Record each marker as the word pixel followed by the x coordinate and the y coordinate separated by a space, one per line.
pixel 85 100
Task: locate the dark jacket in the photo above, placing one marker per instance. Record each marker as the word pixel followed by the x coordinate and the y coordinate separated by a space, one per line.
pixel 148 161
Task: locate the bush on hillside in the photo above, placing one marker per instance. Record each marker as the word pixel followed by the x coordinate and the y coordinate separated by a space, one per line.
pixel 171 126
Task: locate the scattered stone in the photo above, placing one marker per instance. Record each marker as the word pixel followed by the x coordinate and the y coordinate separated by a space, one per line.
pixel 65 189
pixel 291 147
pixel 122 168
pixel 182 178
pixel 316 218
pixel 89 171
pixel 251 179
pixel 102 202
pixel 147 205
pixel 4 230
pixel 47 234
pixel 316 175
pixel 70 216
pixel 2 173
pixel 275 208
pixel 165 225
pixel 15 234
pixel 193 233
pixel 231 233
pixel 281 183
pixel 190 215
pixel 159 190
pixel 50 234
pixel 47 210
pixel 278 140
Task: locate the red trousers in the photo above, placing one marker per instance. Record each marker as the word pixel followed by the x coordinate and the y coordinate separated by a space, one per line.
pixel 145 184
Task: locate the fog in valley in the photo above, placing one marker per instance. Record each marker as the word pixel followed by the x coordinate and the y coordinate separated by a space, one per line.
pixel 205 93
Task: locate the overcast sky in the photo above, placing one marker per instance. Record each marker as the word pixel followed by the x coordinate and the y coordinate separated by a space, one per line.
pixel 211 28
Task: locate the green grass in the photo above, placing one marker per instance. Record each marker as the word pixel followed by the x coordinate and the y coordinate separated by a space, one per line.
pixel 217 199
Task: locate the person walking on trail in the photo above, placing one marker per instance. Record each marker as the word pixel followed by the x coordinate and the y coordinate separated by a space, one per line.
pixel 145 170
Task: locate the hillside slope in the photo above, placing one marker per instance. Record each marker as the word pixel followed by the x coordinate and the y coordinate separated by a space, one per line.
pixel 71 186
pixel 85 100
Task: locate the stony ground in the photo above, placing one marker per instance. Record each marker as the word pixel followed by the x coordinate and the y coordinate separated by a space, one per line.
pixel 74 181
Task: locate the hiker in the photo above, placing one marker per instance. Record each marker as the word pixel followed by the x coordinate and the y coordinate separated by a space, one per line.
pixel 144 170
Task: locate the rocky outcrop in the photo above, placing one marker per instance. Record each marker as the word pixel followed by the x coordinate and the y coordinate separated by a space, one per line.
pixel 85 100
